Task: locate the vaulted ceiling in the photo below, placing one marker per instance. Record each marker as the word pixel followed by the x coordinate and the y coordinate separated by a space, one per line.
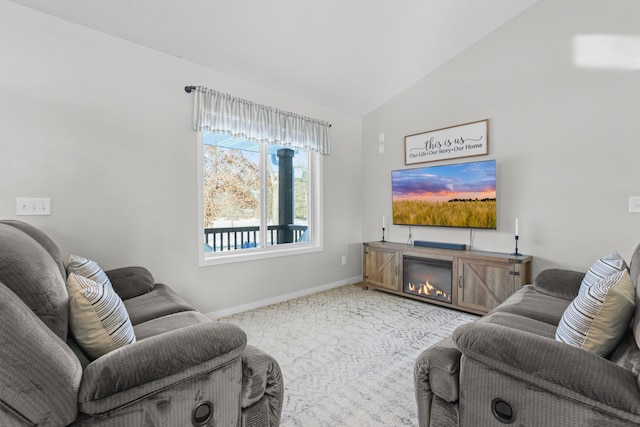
pixel 351 55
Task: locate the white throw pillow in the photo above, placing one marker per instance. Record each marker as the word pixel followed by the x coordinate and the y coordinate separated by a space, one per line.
pixel 597 319
pixel 98 318
pixel 603 268
pixel 87 268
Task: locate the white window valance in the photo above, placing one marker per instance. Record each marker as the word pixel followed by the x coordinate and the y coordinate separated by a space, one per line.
pixel 222 113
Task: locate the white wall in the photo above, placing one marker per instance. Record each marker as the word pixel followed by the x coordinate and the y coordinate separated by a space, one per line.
pixel 566 139
pixel 103 127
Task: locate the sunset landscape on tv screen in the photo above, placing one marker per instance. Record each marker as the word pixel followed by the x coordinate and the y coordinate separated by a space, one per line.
pixel 457 195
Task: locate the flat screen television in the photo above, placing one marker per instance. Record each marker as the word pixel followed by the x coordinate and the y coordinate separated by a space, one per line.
pixel 457 195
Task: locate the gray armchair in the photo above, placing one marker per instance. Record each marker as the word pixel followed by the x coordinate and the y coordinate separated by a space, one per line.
pixel 183 369
pixel 508 368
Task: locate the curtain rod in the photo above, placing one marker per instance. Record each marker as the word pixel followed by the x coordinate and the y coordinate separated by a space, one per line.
pixel 189 89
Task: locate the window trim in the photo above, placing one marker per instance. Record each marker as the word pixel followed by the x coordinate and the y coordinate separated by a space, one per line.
pixel 251 254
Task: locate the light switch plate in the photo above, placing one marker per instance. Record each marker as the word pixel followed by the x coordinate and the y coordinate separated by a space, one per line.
pixel 634 204
pixel 33 206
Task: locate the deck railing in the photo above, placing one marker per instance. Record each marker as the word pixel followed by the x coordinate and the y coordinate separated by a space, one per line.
pixel 232 238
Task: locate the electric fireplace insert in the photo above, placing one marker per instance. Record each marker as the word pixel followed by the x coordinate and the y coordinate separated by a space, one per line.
pixel 427 278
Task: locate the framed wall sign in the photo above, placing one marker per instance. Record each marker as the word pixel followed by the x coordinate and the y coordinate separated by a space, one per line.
pixel 466 140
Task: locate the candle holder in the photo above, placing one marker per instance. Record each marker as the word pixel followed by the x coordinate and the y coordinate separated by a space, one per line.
pixel 516 253
pixel 383 241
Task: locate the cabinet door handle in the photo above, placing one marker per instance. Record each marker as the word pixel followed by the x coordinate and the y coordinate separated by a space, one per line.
pixel 460 281
pixel 396 269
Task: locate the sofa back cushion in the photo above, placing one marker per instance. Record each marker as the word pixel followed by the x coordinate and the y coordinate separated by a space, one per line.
pixel 39 375
pixel 634 266
pixel 44 240
pixel 634 272
pixel 29 270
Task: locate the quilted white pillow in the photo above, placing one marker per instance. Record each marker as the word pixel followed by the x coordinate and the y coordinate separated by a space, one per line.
pixel 98 318
pixel 597 319
pixel 87 268
pixel 603 268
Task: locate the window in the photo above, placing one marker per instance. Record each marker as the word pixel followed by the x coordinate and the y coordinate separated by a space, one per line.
pixel 259 179
pixel 257 199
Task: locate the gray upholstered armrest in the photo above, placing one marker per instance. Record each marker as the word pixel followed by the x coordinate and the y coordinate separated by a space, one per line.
pixel 146 366
pixel 546 363
pixel 438 369
pixel 559 283
pixel 129 282
pixel 262 377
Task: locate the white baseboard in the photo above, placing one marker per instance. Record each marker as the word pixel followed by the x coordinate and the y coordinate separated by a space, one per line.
pixel 257 304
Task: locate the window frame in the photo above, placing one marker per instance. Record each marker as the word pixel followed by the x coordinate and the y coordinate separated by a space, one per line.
pixel 315 243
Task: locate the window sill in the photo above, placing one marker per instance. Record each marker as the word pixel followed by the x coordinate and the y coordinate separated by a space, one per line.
pixel 207 259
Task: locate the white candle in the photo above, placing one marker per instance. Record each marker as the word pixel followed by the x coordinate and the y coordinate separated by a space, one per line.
pixel 517 227
pixel 382 221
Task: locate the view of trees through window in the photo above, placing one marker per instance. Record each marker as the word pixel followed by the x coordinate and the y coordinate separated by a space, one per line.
pixel 255 195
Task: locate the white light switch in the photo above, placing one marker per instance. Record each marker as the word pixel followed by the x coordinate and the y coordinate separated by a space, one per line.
pixel 381 137
pixel 381 149
pixel 634 204
pixel 33 206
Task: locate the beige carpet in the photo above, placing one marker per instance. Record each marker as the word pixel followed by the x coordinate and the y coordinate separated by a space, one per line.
pixel 347 354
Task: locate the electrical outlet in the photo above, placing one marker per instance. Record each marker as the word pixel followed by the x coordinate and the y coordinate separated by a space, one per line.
pixel 344 260
pixel 33 206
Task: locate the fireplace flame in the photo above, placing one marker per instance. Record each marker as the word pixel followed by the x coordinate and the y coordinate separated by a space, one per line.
pixel 428 289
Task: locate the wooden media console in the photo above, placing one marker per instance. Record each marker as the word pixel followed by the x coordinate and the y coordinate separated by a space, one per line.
pixel 479 280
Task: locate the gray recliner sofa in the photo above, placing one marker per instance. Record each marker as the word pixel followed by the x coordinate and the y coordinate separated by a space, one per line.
pixel 507 368
pixel 183 369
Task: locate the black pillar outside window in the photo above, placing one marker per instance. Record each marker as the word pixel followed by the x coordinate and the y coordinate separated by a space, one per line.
pixel 285 195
